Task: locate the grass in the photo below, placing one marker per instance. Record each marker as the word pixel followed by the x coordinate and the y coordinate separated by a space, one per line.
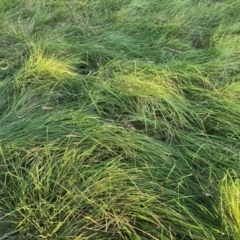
pixel 119 119
pixel 229 189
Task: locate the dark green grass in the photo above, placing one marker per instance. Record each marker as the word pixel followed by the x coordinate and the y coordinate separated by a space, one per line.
pixel 119 119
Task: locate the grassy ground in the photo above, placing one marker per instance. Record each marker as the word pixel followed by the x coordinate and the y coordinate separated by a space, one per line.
pixel 120 119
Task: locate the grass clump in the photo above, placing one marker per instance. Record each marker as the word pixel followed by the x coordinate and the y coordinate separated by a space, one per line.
pixel 44 68
pixel 230 194
pixel 119 120
pixel 140 95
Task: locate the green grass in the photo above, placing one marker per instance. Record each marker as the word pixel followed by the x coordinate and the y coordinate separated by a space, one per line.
pixel 230 194
pixel 119 119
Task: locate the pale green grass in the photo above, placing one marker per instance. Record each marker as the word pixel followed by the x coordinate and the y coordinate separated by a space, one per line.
pixel 230 194
pixel 119 119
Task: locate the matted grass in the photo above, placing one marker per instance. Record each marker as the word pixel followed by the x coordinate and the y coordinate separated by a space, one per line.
pixel 119 119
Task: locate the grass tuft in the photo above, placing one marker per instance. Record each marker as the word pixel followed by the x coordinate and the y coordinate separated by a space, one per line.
pixel 44 68
pixel 230 208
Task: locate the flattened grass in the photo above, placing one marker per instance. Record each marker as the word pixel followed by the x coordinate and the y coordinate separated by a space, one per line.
pixel 119 119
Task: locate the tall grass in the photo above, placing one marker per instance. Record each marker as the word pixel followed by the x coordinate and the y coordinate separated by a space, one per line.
pixel 119 119
pixel 229 188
